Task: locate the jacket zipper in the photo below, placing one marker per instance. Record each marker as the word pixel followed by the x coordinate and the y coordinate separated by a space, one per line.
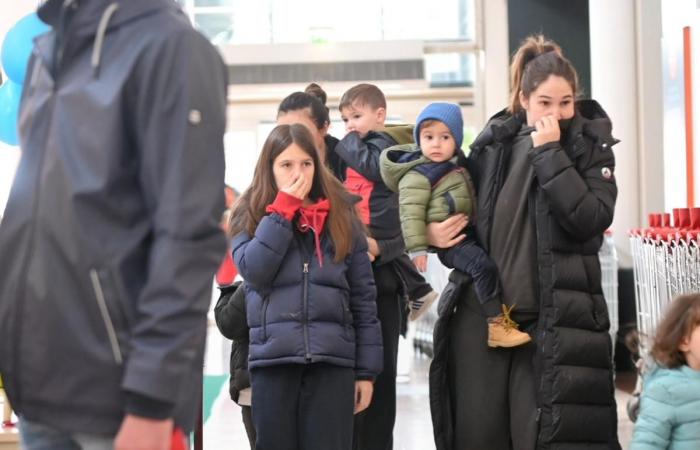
pixel 32 233
pixel 541 321
pixel 307 348
pixel 106 318
pixel 305 262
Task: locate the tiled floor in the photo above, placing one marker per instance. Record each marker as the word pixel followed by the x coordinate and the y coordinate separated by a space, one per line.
pixel 413 431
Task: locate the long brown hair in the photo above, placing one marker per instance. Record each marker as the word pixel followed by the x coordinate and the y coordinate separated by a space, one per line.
pixel 680 319
pixel 535 60
pixel 249 210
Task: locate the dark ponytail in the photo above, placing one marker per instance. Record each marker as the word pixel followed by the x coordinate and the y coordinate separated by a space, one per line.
pixel 537 59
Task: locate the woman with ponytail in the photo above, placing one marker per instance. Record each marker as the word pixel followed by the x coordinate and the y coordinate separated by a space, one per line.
pixel 309 108
pixel 315 342
pixel 544 172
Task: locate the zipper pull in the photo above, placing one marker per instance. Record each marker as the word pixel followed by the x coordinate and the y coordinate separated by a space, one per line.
pixel 539 414
pixel 306 267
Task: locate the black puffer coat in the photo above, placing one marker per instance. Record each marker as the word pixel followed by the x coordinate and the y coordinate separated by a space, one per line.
pixel 230 315
pixel 573 202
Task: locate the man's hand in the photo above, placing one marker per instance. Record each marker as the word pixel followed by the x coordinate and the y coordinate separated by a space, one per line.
pixel 546 130
pixel 421 262
pixel 141 433
pixel 363 395
pixel 445 234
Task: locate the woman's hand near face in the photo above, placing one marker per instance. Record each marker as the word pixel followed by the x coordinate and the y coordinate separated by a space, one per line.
pixel 446 234
pixel 299 188
pixel 546 130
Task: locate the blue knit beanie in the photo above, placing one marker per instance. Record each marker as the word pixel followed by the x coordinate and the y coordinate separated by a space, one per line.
pixel 448 113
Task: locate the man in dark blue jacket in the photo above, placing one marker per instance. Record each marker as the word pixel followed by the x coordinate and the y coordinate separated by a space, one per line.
pixel 110 238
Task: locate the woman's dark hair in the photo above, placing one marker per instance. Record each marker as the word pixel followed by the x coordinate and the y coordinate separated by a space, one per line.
pixel 314 99
pixel 680 319
pixel 249 209
pixel 536 60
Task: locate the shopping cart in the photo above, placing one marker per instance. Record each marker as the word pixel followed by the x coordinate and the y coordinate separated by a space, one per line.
pixel 666 263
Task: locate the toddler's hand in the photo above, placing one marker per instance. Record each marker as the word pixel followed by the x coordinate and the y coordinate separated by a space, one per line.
pixel 421 262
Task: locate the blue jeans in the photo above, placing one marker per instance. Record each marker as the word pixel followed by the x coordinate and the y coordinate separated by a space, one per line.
pixel 37 436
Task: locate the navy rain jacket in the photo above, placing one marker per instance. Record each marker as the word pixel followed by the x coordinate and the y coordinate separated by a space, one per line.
pixel 110 237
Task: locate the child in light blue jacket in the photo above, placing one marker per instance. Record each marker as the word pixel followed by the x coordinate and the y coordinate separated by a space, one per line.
pixel 670 405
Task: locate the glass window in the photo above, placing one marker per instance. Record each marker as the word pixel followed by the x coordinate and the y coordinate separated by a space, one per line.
pixel 450 69
pixel 213 2
pixel 217 27
pixel 304 21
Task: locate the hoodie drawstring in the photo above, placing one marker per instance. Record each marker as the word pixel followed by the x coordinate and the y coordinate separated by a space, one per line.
pixel 100 37
pixel 312 223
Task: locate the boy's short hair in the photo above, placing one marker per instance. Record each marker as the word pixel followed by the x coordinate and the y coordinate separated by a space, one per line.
pixel 363 94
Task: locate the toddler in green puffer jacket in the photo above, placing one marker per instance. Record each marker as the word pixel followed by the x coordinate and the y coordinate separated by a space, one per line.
pixel 432 186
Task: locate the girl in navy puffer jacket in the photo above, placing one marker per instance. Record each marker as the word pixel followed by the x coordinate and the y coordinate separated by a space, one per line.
pixel 315 342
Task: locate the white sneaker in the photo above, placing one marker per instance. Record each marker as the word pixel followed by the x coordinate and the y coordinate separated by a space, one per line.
pixel 421 305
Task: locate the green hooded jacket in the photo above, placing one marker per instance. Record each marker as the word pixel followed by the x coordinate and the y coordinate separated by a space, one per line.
pixel 422 201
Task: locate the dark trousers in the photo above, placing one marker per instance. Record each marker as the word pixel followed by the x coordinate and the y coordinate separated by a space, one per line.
pixel 303 406
pixel 492 389
pixel 416 286
pixel 374 427
pixel 471 259
pixel 247 417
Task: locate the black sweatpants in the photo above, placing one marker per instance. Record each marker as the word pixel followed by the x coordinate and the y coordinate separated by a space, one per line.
pixel 470 258
pixel 303 406
pixel 247 417
pixel 374 427
pixel 492 389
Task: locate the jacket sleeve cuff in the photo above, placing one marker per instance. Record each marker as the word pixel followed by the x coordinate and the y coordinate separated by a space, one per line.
pixel 143 406
pixel 417 253
pixel 544 147
pixel 285 205
pixel 364 377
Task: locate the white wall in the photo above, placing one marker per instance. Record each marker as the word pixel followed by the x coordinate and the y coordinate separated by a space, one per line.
pixel 614 85
pixel 493 86
pixel 650 114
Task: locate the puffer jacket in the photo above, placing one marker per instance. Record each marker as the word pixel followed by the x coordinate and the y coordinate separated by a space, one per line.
pixel 230 316
pixel 572 201
pixel 670 411
pixel 428 191
pixel 300 312
pixel 111 235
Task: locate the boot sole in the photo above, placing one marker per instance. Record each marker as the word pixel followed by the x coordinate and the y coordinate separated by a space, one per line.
pixel 495 344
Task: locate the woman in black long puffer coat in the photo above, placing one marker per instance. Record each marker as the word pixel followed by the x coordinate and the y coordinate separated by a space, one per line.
pixel 546 192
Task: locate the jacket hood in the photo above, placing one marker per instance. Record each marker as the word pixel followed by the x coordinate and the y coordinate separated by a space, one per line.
pixel 77 22
pixel 393 170
pixel 590 119
pixel 87 13
pixel 401 133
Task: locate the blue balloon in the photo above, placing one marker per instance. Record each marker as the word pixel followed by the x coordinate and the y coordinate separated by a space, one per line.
pixel 10 94
pixel 17 46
